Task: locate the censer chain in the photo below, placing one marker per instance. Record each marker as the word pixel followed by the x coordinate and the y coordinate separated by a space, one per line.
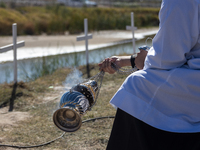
pixel 123 71
pixel 99 77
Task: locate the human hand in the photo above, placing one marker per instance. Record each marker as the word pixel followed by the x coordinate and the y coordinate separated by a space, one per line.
pixel 140 58
pixel 105 65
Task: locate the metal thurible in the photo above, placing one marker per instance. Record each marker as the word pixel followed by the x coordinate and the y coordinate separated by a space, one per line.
pixel 81 98
pixel 76 102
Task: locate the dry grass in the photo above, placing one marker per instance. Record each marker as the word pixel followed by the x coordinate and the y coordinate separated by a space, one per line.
pixel 59 19
pixel 39 128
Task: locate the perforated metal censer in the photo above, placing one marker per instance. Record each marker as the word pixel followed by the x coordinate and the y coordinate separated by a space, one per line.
pixel 76 102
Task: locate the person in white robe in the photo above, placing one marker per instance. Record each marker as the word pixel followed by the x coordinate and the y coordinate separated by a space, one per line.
pixel 165 92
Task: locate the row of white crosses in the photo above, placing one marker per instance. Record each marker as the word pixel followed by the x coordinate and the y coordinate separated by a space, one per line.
pixel 87 36
pixel 13 47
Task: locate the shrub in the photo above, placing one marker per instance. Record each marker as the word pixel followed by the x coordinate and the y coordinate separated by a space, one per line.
pixel 58 19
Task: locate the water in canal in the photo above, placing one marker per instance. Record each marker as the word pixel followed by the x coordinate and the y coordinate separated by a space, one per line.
pixel 30 69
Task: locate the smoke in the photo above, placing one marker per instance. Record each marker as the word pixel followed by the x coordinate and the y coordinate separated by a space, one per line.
pixel 72 79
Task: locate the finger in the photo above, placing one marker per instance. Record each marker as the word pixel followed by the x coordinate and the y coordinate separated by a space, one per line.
pixel 107 62
pixel 109 65
pixel 100 64
pixel 100 67
pixel 111 69
pixel 104 65
pixel 144 52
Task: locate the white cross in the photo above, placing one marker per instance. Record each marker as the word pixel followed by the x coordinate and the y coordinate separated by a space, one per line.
pixel 85 37
pixel 13 47
pixel 132 28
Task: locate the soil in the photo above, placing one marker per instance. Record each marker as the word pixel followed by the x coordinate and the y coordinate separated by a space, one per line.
pixel 11 118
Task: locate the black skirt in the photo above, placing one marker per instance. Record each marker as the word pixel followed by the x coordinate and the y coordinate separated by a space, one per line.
pixel 129 133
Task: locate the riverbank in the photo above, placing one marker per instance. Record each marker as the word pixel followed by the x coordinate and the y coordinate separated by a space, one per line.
pixel 43 45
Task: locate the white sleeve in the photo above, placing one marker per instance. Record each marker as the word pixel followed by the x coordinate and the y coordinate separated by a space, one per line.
pixel 178 33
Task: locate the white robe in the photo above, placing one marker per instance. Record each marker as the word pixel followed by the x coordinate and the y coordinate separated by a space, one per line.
pixel 166 93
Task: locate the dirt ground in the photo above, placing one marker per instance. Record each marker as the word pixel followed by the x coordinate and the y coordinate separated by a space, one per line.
pixel 10 118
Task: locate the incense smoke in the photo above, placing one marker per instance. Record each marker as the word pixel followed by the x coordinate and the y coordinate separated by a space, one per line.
pixel 72 79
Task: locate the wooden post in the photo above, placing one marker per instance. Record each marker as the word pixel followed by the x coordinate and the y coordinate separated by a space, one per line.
pixel 132 28
pixel 86 37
